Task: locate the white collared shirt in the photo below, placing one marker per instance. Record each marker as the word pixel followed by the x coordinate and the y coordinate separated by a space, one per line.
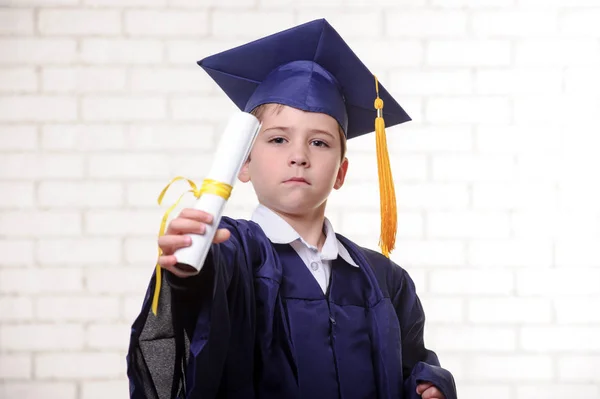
pixel 318 263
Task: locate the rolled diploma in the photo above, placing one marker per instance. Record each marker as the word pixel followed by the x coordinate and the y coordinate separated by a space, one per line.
pixel 232 151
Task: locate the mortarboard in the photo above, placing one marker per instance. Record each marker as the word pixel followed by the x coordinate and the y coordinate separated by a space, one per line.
pixel 310 67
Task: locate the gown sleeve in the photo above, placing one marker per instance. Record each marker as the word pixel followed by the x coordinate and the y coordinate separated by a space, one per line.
pixel 419 363
pixel 188 349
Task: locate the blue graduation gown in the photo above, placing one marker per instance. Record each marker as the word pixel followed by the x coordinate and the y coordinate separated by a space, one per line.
pixel 254 323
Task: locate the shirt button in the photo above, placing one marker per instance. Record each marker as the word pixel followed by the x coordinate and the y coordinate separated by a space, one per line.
pixel 314 266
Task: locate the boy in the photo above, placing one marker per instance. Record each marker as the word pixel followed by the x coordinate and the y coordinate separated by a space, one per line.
pixel 283 307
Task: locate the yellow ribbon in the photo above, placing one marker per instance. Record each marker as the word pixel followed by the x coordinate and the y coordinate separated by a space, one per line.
pixel 209 186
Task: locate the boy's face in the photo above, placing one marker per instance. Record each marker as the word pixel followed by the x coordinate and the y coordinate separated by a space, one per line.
pixel 295 161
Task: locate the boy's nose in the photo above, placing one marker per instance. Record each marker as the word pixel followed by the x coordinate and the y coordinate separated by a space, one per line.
pixel 298 158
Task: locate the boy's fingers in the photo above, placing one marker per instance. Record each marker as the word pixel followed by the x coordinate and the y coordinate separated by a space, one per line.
pixel 196 214
pixel 222 235
pixel 422 387
pixel 185 226
pixel 171 243
pixel 167 261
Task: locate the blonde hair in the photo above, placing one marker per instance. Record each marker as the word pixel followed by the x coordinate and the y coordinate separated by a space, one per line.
pixel 260 111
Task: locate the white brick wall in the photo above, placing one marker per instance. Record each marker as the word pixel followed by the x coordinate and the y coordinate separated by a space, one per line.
pixel 101 103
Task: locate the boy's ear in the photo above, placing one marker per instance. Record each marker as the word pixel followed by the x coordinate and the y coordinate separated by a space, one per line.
pixel 341 175
pixel 244 175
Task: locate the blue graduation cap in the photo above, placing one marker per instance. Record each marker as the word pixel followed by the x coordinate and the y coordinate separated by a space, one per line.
pixel 310 67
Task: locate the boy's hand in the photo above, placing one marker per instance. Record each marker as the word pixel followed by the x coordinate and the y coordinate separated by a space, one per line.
pixel 429 391
pixel 189 221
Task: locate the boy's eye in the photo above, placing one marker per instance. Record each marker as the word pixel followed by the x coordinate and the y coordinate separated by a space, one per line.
pixel 277 140
pixel 319 143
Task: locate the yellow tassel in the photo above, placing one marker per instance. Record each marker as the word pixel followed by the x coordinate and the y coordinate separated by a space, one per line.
pixel 387 193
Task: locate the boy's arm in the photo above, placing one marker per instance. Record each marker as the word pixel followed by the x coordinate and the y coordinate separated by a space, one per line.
pixel 419 363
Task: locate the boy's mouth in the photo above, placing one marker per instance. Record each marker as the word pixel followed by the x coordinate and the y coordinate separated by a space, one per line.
pixel 297 180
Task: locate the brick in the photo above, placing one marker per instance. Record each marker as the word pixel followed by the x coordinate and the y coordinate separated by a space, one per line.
pixel 489 168
pixel 16 195
pixel 18 137
pixel 69 365
pixel 514 23
pixel 577 195
pixel 17 251
pixel 432 196
pixel 14 366
pixel 83 79
pixel 578 368
pixel 121 51
pixel 509 310
pixel 431 139
pixel 413 253
pixel 22 3
pixel 60 194
pixel 362 168
pixel 79 22
pixel 132 306
pixel 557 391
pixel 468 225
pixel 426 23
pixel 104 389
pixel 122 222
pixel 443 310
pixel 15 308
pixel 560 339
pixel 580 22
pixel 107 336
pixel 577 310
pixel 510 368
pixel 557 52
pixel 480 110
pixel 582 281
pixel 33 51
pixel 410 225
pixel 473 339
pixel 188 52
pixel 131 280
pixel 79 251
pixel 365 23
pixel 432 82
pixel 128 165
pixel 141 250
pixel 488 391
pixel 188 137
pixel 561 225
pixel 38 281
pixel 145 193
pixel 527 139
pixel 16 22
pixel 401 52
pixel 535 109
pixel 41 337
pixel 191 108
pixel 581 80
pixel 234 4
pixel 172 23
pixel 514 196
pixel 77 308
pixel 40 223
pixel 543 168
pixel 188 80
pixel 121 109
pixel 36 390
pixel 519 81
pixel 472 3
pixel 37 165
pixel 127 3
pixel 469 53
pixel 84 137
pixel 249 24
pixel 532 252
pixel 47 108
pixel 577 252
pixel 471 281
pixel 18 79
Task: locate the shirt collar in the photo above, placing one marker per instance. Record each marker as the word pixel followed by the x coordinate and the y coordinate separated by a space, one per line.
pixel 280 232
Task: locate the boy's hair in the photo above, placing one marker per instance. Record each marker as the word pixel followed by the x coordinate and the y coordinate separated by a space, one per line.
pixel 260 111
